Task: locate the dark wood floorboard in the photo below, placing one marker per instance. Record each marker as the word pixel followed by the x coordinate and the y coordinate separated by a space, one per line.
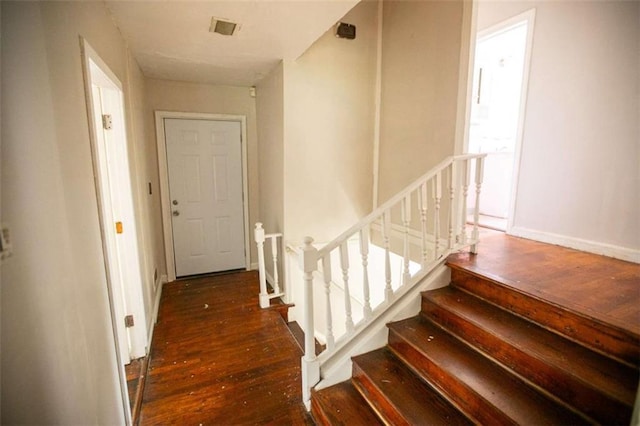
pixel 217 358
pixel 604 288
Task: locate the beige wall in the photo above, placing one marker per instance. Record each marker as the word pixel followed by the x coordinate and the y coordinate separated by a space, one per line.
pixel 270 119
pixel 580 168
pixel 329 123
pixel 420 69
pixel 142 151
pixel 58 354
pixel 164 95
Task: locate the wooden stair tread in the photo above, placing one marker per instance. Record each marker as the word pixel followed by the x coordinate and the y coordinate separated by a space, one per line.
pixel 487 392
pixel 398 395
pixel 607 338
pixel 533 351
pixel 342 404
pixel 602 287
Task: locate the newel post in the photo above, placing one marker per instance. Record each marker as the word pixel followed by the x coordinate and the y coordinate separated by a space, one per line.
pixel 262 272
pixel 310 365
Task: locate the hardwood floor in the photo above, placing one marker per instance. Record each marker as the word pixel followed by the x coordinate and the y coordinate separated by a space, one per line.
pixel 217 358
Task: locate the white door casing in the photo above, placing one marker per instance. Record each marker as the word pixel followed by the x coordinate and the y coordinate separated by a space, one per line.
pixel 126 242
pixel 116 206
pixel 108 223
pixel 104 96
pixel 202 160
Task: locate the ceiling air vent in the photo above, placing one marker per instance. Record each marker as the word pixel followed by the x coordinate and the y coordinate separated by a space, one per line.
pixel 223 27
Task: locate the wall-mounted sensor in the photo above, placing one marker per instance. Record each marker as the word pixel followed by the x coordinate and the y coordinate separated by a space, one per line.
pixel 344 30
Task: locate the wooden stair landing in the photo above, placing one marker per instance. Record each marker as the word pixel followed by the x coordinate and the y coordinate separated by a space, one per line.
pixel 503 345
pixel 217 358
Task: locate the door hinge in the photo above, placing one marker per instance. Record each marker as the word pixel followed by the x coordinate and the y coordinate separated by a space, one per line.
pixel 128 321
pixel 107 122
pixel 119 229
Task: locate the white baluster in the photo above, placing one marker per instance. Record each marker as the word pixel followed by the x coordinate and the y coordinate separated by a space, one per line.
pixel 386 230
pixel 452 206
pixel 406 221
pixel 310 366
pixel 274 253
pixel 364 252
pixel 476 212
pixel 326 272
pixel 437 195
pixel 423 220
pixel 465 193
pixel 262 272
pixel 344 265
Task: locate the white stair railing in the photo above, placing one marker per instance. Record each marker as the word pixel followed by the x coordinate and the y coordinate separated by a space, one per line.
pixel 409 247
pixel 261 237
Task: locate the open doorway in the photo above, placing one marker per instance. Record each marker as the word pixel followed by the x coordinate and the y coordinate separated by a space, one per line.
pixel 501 68
pixel 106 116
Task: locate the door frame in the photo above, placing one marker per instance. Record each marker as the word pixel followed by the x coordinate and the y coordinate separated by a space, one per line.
pixel 504 25
pixel 163 168
pixel 128 343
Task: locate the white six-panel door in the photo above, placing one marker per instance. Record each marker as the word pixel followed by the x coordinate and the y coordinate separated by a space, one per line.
pixel 204 159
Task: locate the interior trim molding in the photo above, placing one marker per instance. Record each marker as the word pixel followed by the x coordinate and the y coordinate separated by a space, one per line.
pixel 604 249
pixel 156 307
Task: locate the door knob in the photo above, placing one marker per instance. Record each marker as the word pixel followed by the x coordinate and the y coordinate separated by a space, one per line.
pixel 176 213
pixel 175 202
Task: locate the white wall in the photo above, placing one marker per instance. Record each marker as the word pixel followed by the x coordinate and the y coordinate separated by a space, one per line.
pixel 420 69
pixel 580 170
pixel 58 355
pixel 164 95
pixel 328 130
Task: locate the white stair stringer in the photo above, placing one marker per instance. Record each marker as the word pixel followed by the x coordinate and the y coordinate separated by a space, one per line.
pixel 336 366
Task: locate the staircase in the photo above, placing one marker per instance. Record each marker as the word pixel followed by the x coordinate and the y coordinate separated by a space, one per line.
pixel 482 352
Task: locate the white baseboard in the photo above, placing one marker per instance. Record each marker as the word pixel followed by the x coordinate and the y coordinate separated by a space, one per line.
pixel 156 307
pixel 609 250
pixel 253 266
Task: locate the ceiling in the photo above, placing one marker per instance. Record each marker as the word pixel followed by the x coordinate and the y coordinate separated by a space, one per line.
pixel 171 39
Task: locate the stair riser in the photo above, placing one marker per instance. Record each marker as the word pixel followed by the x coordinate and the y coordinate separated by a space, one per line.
pixel 380 404
pixel 342 404
pixel 469 402
pixel 606 340
pixel 319 417
pixel 557 382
